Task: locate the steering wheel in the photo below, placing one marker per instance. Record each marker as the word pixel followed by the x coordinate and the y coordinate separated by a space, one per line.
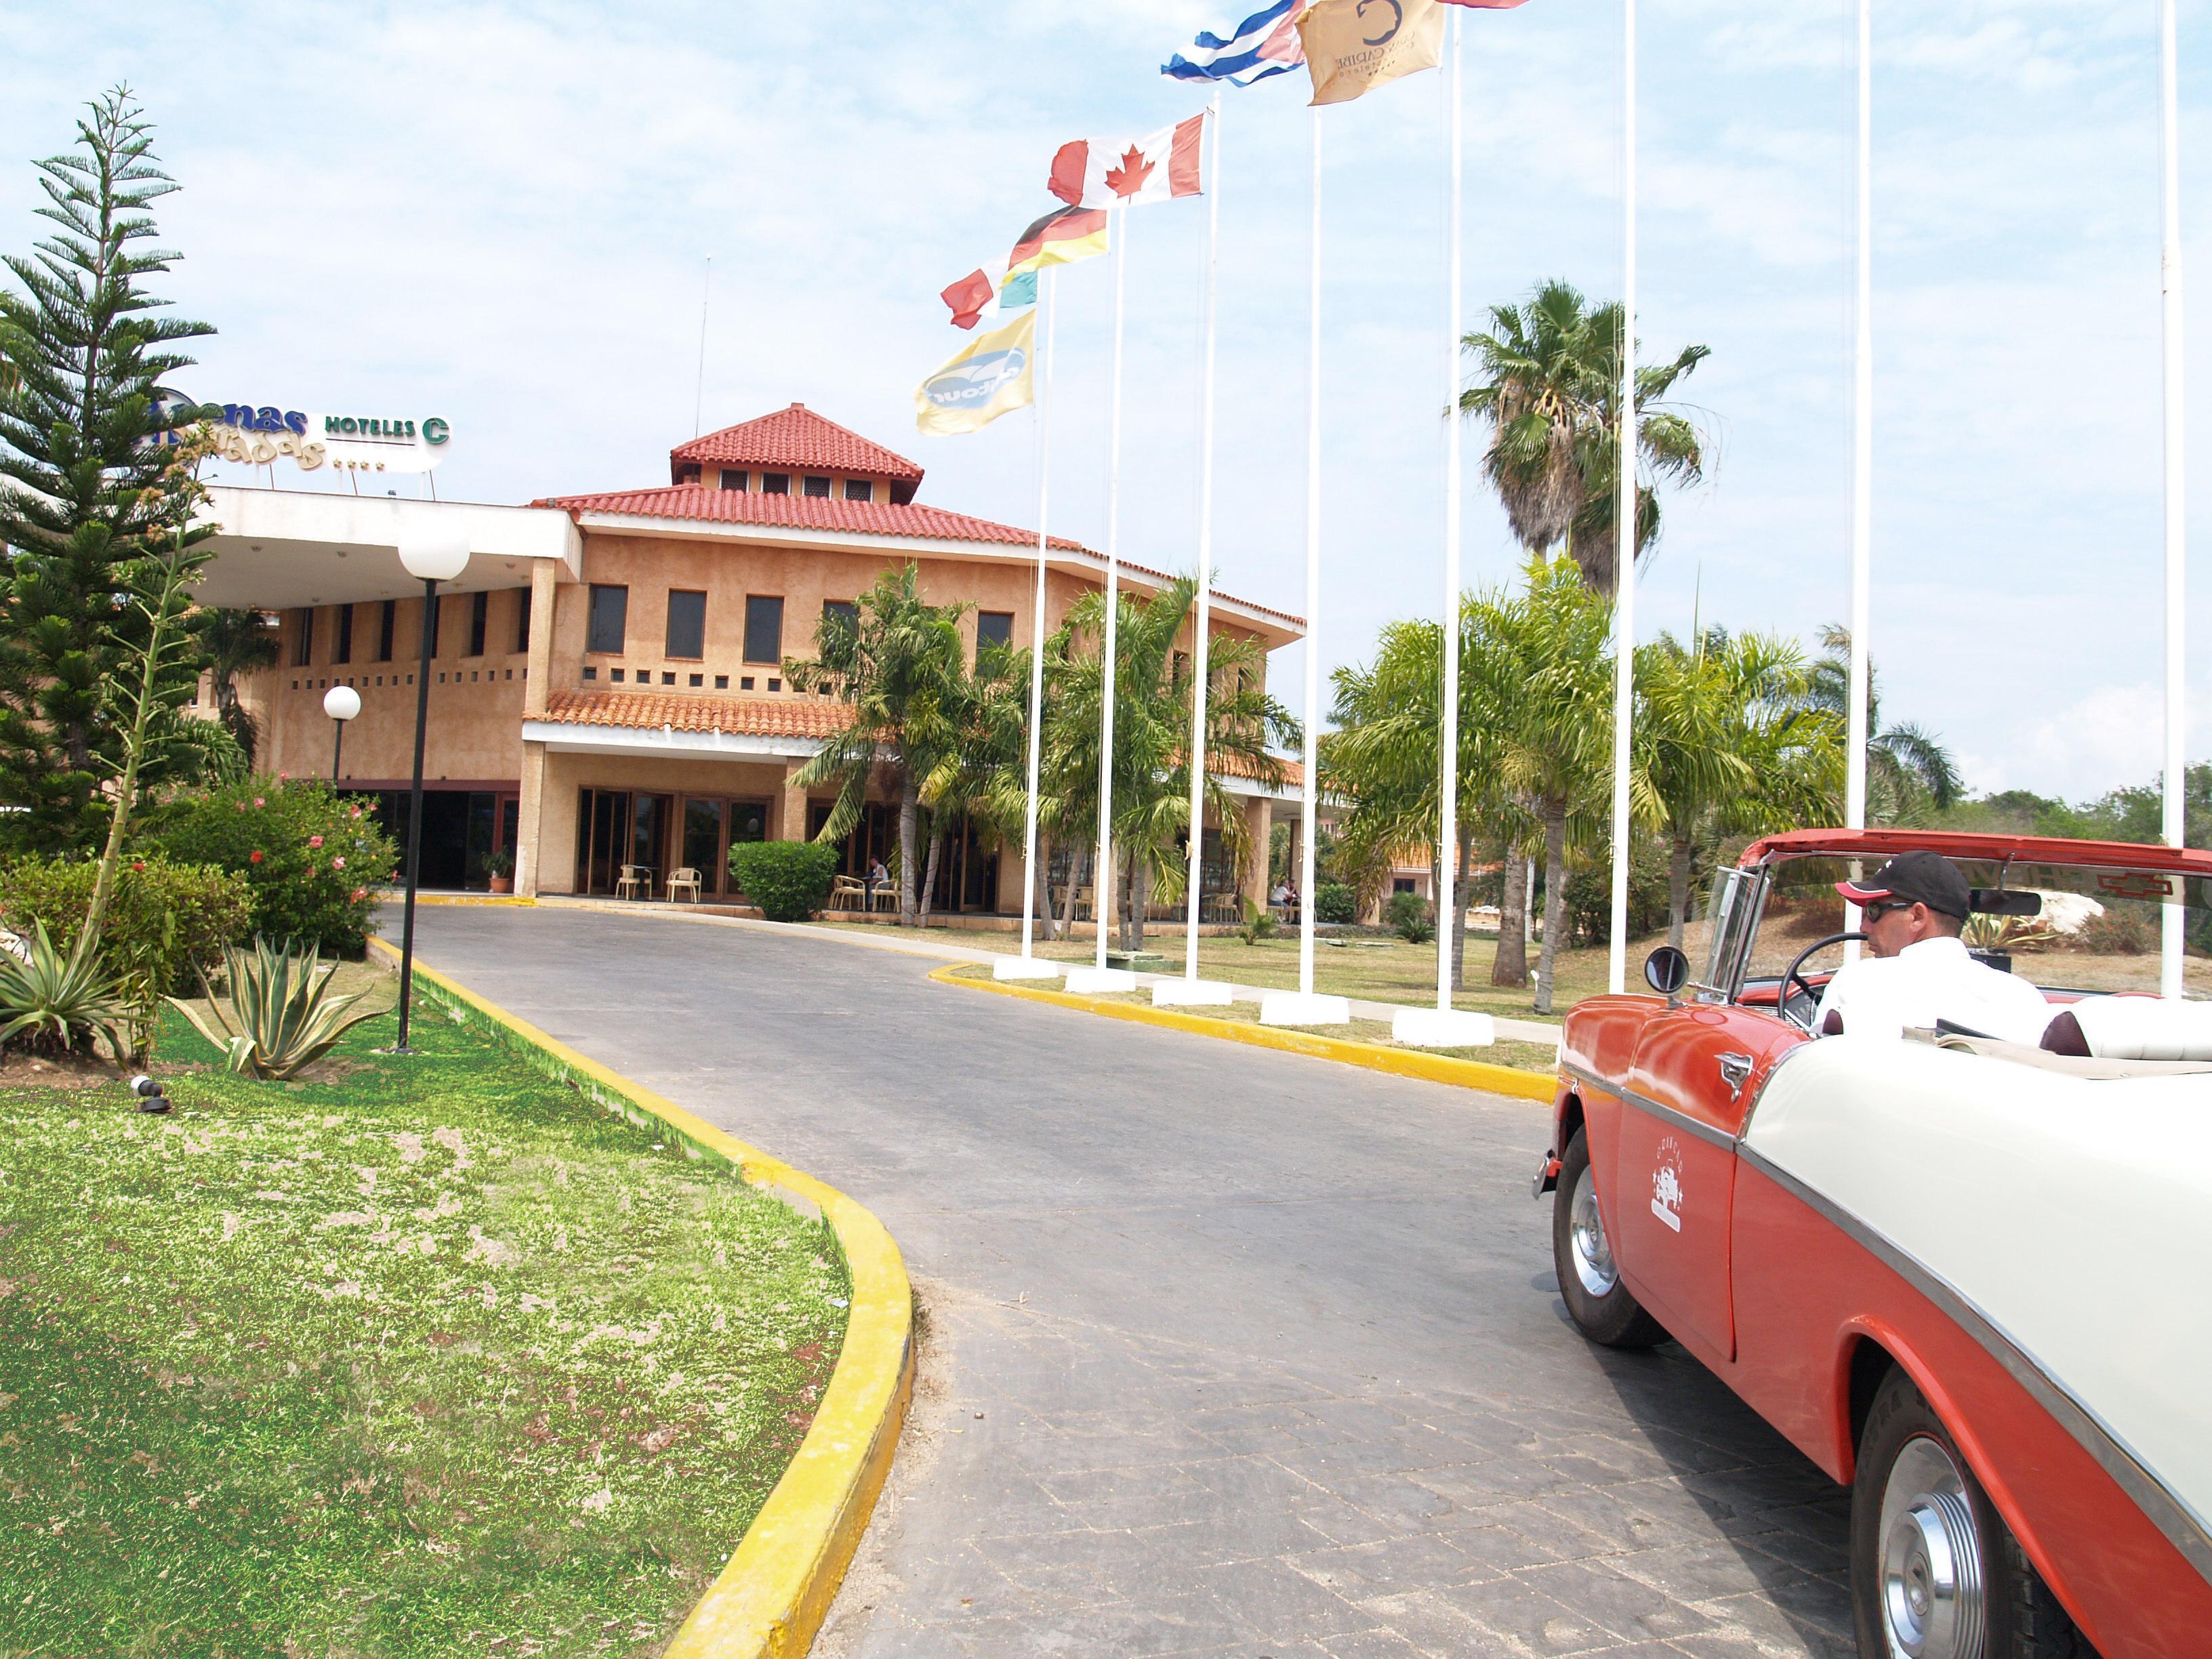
pixel 1783 998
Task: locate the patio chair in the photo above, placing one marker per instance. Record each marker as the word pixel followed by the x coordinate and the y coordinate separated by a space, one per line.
pixel 635 878
pixel 686 878
pixel 848 893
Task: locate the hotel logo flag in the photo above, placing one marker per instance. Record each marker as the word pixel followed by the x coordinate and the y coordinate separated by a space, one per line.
pixel 1353 47
pixel 991 376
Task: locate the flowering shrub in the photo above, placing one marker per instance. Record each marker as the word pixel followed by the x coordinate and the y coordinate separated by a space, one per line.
pixel 309 855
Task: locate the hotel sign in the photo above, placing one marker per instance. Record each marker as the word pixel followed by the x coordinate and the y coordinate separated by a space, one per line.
pixel 257 434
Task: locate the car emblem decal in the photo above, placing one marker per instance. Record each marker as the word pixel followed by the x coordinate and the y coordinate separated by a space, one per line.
pixel 1667 1184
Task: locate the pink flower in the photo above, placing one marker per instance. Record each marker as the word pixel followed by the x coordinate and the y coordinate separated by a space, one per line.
pixel 337 864
pixel 138 864
pixel 356 812
pixel 283 777
pixel 256 856
pixel 359 894
pixel 314 840
pixel 241 806
pixel 259 801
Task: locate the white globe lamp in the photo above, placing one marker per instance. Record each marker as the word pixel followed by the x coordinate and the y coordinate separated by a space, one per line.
pixel 341 703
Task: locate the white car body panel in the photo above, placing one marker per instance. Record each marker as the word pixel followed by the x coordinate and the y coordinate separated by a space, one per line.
pixel 2073 1214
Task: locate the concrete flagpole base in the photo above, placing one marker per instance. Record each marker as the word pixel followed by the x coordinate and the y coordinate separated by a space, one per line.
pixel 1191 994
pixel 1093 979
pixel 1436 1028
pixel 1304 1008
pixel 1026 968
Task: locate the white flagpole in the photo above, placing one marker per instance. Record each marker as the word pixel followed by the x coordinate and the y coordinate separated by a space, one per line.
pixel 1103 876
pixel 1854 774
pixel 2176 678
pixel 1312 757
pixel 1037 626
pixel 1625 520
pixel 1448 773
pixel 1201 645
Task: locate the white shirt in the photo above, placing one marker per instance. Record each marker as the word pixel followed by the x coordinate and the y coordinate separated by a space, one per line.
pixel 1881 996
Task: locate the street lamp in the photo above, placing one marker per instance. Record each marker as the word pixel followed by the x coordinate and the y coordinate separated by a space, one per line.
pixel 341 703
pixel 436 558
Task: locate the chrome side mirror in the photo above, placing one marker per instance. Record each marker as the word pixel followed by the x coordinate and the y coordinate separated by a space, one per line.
pixel 1667 970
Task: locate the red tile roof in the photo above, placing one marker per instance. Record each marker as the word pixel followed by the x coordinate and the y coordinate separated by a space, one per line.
pixel 746 717
pixel 796 437
pixel 803 512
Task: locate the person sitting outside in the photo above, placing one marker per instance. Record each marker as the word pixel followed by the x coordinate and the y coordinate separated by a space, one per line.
pixel 1918 969
pixel 879 880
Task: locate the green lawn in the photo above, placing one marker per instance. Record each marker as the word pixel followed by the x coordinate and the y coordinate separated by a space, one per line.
pixel 426 1356
pixel 1524 1056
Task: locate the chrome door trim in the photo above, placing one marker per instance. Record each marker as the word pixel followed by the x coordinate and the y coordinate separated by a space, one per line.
pixel 1658 1109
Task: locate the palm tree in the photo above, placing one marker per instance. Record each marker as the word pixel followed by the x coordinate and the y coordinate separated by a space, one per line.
pixel 1550 392
pixel 1908 769
pixel 982 776
pixel 896 664
pixel 1152 692
pixel 1547 678
pixel 236 642
pixel 1728 745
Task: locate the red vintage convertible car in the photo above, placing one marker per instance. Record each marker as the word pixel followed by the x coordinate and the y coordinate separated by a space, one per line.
pixel 1964 1276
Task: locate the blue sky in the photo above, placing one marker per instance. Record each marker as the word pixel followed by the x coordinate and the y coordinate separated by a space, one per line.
pixel 500 212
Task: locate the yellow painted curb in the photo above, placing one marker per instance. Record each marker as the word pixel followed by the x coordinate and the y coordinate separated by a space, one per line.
pixel 775 1590
pixel 422 899
pixel 1400 1062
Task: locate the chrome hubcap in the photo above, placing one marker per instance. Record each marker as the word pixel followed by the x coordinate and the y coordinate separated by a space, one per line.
pixel 1932 1601
pixel 1593 1255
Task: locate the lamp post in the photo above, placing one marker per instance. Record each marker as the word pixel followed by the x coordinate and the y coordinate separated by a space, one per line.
pixel 341 703
pixel 433 560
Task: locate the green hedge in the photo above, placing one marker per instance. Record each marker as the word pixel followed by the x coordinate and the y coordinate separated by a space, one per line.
pixel 1335 902
pixel 161 919
pixel 311 860
pixel 1408 916
pixel 788 879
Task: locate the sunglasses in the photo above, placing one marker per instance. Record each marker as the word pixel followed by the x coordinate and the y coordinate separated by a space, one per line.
pixel 1876 911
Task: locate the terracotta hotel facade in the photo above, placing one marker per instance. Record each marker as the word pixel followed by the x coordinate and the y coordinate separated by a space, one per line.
pixel 606 686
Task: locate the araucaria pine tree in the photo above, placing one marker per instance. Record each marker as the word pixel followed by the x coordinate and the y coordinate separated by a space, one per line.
pixel 88 507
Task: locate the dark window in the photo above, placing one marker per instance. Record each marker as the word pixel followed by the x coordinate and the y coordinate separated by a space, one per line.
pixel 698 680
pixel 303 638
pixel 688 473
pixel 521 619
pixel 721 682
pixel 842 613
pixel 859 489
pixel 744 682
pixel 610 615
pixel 387 626
pixel 818 488
pixel 590 672
pixel 763 628
pixel 687 623
pixel 479 614
pixel 775 483
pixel 616 675
pixel 994 629
pixel 344 653
pixel 733 479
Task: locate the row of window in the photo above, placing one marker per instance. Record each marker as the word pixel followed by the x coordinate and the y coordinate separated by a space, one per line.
pixel 388 623
pixel 778 484
pixel 608 627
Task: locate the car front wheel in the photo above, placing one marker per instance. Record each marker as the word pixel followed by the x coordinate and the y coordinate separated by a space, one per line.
pixel 1590 1280
pixel 1936 1573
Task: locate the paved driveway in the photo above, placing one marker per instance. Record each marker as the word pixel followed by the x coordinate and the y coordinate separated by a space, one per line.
pixel 1231 1352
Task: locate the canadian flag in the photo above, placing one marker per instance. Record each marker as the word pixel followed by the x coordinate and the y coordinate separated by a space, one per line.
pixel 1097 173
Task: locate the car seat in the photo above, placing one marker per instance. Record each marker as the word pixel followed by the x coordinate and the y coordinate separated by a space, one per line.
pixel 2132 1027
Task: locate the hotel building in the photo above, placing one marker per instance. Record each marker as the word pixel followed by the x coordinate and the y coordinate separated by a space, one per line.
pixel 606 685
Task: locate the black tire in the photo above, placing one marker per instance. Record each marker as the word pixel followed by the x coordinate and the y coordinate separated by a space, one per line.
pixel 2018 1616
pixel 1604 1314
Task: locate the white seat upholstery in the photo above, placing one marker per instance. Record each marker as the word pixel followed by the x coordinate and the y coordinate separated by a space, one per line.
pixel 2144 1028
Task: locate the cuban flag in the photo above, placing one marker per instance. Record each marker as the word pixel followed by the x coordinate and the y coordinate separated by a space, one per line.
pixel 1265 43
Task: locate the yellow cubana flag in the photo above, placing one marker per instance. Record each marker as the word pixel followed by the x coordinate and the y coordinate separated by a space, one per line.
pixel 991 376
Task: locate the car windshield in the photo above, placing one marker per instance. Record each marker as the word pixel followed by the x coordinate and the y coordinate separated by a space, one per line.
pixel 2095 930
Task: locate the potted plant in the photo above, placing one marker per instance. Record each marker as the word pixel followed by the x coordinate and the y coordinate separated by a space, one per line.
pixel 499 869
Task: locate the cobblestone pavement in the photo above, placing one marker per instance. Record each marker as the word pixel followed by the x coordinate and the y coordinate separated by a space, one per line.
pixel 1231 1352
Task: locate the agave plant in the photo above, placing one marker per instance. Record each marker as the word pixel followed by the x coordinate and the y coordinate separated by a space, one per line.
pixel 287 1018
pixel 52 1001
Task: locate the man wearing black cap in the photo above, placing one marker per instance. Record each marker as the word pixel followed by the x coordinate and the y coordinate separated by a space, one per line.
pixel 1917 969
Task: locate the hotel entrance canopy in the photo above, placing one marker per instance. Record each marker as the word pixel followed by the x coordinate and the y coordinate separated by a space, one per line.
pixel 277 550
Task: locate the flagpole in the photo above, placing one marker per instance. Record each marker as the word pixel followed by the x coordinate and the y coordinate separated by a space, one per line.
pixel 1102 882
pixel 1855 774
pixel 2176 828
pixel 1037 626
pixel 1448 768
pixel 1624 525
pixel 1311 792
pixel 1202 644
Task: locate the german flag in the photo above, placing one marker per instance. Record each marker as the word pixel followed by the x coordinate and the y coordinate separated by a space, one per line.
pixel 1060 238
